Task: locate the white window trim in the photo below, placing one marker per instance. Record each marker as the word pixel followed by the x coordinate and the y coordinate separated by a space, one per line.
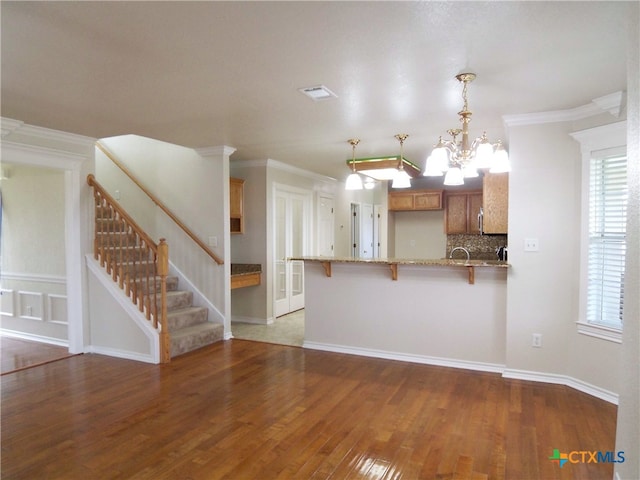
pixel 599 141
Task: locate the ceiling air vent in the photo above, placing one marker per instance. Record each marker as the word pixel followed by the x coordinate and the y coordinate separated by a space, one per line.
pixel 319 92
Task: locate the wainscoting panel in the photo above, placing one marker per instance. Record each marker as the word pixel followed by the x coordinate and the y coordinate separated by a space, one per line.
pixel 31 305
pixel 7 302
pixel 57 308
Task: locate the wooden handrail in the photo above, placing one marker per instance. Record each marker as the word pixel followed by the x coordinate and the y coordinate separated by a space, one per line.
pixel 161 205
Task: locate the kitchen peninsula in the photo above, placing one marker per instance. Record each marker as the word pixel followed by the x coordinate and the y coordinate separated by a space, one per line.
pixel 436 311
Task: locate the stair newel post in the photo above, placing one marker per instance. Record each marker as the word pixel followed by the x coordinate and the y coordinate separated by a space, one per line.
pixel 163 271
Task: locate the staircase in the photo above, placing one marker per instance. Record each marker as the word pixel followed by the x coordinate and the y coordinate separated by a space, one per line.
pixel 188 325
pixel 132 259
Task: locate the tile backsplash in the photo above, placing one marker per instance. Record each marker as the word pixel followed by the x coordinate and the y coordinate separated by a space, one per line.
pixel 481 247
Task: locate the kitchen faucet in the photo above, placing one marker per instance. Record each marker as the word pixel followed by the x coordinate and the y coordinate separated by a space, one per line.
pixel 460 248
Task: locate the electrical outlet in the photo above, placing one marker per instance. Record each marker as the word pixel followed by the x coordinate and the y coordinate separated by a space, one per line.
pixel 531 245
pixel 536 340
pixel 29 310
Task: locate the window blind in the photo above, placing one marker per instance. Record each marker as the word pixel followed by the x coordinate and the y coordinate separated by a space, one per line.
pixel 607 244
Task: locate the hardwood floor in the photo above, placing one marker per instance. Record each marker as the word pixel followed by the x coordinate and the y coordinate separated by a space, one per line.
pixel 18 354
pixel 250 410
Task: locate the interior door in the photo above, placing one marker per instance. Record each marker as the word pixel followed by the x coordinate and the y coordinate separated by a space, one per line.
pixel 291 240
pixel 355 230
pixel 325 226
pixel 366 231
pixel 377 237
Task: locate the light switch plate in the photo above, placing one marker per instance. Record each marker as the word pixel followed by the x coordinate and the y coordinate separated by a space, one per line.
pixel 213 241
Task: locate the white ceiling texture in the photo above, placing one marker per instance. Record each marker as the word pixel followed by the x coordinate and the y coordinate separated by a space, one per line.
pixel 211 73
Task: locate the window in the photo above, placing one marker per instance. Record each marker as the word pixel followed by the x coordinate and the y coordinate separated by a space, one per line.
pixel 607 227
pixel 603 232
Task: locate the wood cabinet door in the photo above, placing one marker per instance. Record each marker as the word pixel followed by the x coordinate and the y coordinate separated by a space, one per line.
pixel 455 213
pixel 236 200
pixel 428 201
pixel 236 187
pixel 495 202
pixel 400 201
pixel 474 204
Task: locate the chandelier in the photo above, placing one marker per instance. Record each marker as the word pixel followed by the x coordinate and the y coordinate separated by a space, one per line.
pixel 459 159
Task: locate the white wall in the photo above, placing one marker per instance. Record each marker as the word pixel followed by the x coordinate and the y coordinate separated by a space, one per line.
pixel 117 326
pixel 255 304
pixel 33 252
pixel 192 185
pixel 419 234
pixel 430 314
pixel 628 431
pixel 543 286
pixel 251 304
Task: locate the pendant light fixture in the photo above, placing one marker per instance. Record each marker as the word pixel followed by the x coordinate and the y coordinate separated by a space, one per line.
pixel 354 181
pixel 401 178
pixel 462 160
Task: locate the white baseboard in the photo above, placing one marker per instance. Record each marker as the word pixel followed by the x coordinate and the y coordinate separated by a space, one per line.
pixel 34 338
pixel 252 320
pixel 405 357
pixel 574 383
pixel 114 352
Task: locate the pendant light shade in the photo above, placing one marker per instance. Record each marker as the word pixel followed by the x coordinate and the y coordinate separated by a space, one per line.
pixel 401 179
pixel 354 181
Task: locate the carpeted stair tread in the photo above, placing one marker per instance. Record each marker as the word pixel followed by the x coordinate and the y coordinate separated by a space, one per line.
pixel 181 318
pixel 177 299
pixel 197 336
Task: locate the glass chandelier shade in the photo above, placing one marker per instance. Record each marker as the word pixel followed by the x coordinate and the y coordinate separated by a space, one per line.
pixel 461 156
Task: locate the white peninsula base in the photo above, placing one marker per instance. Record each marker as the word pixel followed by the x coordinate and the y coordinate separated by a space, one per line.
pixel 431 314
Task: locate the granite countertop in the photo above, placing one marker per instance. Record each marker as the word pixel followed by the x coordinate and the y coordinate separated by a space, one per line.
pixel 245 268
pixel 434 262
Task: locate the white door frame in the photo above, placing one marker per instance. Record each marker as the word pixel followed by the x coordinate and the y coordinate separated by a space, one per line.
pixel 296 302
pixel 75 166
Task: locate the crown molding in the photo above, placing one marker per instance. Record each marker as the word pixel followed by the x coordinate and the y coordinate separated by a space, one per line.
pixel 221 150
pixel 9 126
pixel 32 132
pixel 611 103
pixel 24 154
pixel 285 167
pixel 602 137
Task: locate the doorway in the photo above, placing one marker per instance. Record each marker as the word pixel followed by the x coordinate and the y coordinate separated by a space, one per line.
pixel 365 230
pixel 292 233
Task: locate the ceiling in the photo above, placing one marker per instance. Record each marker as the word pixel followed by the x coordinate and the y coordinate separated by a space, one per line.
pixel 203 74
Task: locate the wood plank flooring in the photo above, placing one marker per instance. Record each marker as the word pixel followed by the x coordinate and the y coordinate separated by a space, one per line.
pixel 18 354
pixel 248 410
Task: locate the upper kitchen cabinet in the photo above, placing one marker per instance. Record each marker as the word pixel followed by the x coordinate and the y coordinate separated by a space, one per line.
pixel 415 200
pixel 462 209
pixel 495 202
pixel 236 193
